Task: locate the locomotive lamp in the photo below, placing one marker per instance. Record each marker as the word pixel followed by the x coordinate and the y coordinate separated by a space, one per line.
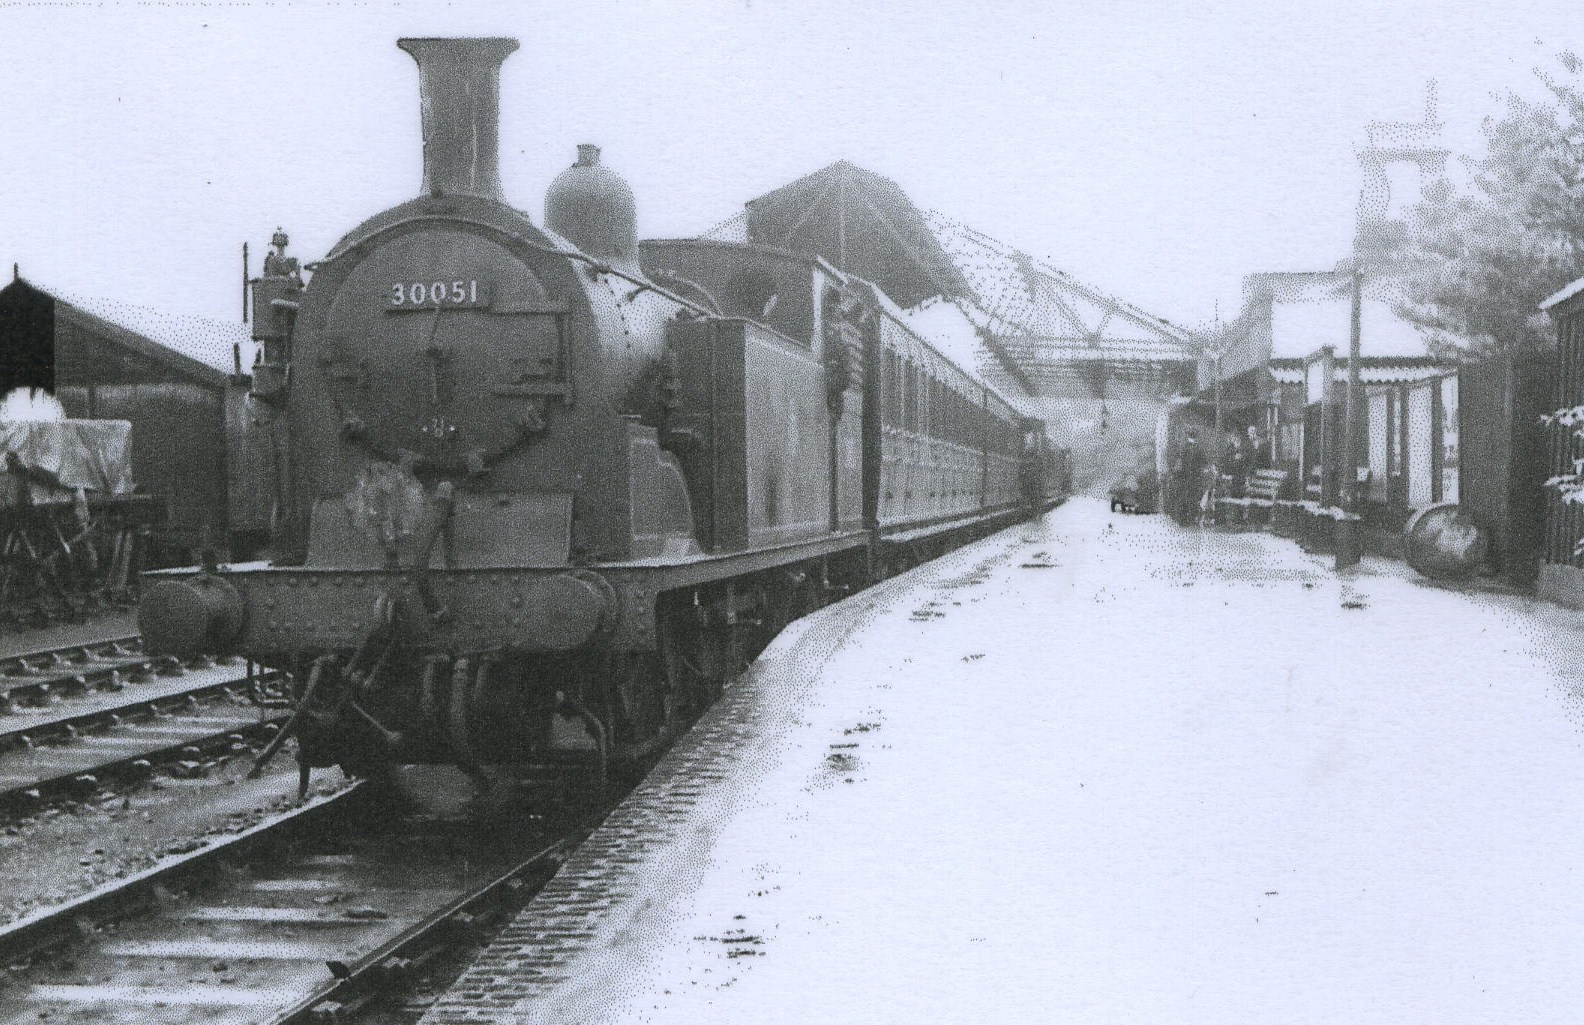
pixel 202 615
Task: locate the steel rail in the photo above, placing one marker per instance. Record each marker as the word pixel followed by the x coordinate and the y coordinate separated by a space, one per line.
pixel 25 663
pixel 75 931
pixel 27 937
pixel 79 711
pixel 86 674
pixel 134 767
pixel 396 964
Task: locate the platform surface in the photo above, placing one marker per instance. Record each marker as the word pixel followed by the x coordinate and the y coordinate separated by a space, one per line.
pixel 1096 769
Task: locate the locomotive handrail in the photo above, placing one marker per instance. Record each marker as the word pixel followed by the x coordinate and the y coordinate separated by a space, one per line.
pixel 601 267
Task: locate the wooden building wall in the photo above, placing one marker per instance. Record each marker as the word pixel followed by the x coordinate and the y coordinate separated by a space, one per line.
pixel 27 331
pixel 1565 520
pixel 100 370
pixel 1504 458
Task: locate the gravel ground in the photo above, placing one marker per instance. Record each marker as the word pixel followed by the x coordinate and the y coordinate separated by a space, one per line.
pixel 70 848
pixel 15 640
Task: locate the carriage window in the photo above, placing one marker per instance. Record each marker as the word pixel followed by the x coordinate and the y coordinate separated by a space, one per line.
pixel 893 400
pixel 751 293
pixel 910 398
pixel 916 397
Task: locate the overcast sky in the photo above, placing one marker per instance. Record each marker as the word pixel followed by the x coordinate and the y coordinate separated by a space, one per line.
pixel 1159 153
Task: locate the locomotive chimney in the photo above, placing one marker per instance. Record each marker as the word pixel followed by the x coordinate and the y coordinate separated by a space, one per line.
pixel 459 84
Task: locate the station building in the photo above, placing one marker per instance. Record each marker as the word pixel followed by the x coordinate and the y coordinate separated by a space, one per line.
pixel 1276 375
pixel 1432 430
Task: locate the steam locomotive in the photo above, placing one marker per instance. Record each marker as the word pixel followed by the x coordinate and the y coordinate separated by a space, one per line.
pixel 543 490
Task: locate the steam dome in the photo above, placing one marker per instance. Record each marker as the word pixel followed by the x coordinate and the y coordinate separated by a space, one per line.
pixel 592 207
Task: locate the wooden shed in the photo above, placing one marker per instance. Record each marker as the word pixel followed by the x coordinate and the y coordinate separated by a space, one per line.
pixel 172 377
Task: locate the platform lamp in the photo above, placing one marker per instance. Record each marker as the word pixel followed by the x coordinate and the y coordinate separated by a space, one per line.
pixel 1215 357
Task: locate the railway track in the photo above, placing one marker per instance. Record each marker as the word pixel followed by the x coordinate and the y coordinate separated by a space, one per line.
pixel 74 720
pixel 25 671
pixel 314 915
pixel 328 911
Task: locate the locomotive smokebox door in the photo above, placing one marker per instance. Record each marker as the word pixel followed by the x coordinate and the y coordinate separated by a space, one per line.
pixel 443 344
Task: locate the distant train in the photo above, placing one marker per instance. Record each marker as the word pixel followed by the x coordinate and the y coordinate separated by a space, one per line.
pixel 545 490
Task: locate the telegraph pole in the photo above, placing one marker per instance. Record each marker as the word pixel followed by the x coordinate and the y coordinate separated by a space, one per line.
pixel 1217 356
pixel 1347 534
pixel 1415 142
pixel 1218 349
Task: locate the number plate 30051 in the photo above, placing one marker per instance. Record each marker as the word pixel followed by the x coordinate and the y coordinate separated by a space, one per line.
pixel 421 295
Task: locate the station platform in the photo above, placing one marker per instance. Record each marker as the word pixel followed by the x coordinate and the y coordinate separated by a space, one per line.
pixel 1096 768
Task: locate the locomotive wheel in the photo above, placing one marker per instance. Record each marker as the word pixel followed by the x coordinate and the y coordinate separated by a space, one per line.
pixel 810 598
pixel 643 713
pixel 778 607
pixel 799 596
pixel 689 661
pixel 806 597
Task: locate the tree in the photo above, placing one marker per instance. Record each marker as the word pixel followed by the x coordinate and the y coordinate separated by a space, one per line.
pixel 1475 260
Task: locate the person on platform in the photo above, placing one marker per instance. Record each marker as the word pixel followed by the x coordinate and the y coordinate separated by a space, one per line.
pixel 1236 465
pixel 1188 474
pixel 1259 449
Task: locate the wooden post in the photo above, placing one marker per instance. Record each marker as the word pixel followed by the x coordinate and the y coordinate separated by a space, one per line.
pixel 1218 396
pixel 1347 537
pixel 1330 473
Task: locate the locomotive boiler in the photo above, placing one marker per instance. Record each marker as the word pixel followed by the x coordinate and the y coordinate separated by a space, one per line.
pixel 541 493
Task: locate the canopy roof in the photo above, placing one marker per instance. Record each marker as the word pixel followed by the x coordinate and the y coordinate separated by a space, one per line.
pixel 179 337
pixel 1290 315
pixel 1372 369
pixel 863 224
pixel 1025 320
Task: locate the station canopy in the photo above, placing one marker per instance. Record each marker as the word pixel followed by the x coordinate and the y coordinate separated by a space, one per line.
pixel 1288 317
pixel 1014 318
